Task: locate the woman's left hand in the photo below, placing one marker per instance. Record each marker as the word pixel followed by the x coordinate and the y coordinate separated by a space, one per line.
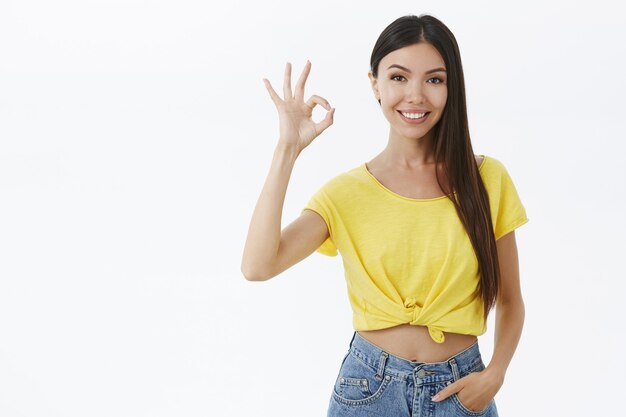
pixel 474 390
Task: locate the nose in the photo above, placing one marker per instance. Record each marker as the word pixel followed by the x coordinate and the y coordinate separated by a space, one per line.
pixel 415 94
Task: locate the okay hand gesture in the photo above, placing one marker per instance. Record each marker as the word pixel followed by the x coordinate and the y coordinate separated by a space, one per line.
pixel 297 129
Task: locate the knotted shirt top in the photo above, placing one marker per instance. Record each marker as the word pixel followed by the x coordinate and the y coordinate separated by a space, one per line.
pixel 410 260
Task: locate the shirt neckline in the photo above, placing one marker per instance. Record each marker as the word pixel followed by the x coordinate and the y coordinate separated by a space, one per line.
pixel 369 174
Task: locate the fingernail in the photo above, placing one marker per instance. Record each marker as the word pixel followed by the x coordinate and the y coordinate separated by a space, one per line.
pixel 436 397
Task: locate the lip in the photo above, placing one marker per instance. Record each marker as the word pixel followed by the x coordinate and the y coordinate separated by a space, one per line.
pixel 414 121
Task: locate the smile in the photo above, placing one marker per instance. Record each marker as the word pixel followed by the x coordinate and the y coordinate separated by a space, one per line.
pixel 414 118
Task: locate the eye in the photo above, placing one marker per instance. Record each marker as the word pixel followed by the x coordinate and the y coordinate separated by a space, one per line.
pixel 397 76
pixel 437 78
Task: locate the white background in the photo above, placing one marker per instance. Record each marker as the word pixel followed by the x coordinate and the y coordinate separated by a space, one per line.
pixel 135 137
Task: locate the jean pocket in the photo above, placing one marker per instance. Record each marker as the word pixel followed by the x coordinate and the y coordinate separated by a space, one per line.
pixel 469 412
pixel 477 365
pixel 357 382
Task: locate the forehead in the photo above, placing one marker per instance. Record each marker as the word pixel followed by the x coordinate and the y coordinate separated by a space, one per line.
pixel 418 57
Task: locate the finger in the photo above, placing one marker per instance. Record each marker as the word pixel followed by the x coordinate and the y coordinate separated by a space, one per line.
pixel 287 82
pixel 302 80
pixel 275 97
pixel 315 99
pixel 446 392
pixel 326 122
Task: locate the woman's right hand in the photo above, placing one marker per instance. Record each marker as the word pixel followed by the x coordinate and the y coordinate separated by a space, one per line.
pixel 297 129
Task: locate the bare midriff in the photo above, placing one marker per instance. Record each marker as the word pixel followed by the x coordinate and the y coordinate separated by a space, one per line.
pixel 414 343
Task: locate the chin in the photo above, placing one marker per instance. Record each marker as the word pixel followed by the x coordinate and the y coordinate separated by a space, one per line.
pixel 411 135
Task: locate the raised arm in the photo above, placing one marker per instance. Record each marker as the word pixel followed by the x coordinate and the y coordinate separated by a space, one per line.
pixel 263 245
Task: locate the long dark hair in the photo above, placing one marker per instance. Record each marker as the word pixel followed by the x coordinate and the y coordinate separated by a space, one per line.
pixel 452 144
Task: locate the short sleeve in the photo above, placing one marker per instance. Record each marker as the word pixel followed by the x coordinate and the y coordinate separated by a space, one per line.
pixel 321 204
pixel 511 212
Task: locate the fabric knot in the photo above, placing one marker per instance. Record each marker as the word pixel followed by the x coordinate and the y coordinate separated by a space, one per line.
pixel 410 302
pixel 435 333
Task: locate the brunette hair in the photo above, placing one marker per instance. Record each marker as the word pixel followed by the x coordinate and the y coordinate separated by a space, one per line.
pixel 452 143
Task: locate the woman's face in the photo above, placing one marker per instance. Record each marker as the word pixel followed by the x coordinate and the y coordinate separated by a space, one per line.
pixel 412 80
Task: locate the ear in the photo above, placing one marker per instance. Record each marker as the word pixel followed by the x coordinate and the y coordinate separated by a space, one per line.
pixel 374 83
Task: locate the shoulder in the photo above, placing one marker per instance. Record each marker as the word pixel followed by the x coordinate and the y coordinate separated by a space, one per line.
pixel 495 174
pixel 348 177
pixel 336 184
pixel 492 165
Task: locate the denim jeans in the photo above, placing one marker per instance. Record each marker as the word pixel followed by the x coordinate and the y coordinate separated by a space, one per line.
pixel 374 383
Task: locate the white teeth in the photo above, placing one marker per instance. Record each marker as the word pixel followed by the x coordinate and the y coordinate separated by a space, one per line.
pixel 413 115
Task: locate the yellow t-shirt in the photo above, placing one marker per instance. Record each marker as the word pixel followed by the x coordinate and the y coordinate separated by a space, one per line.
pixel 410 260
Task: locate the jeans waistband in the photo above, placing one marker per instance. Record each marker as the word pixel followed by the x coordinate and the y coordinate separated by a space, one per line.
pixel 423 372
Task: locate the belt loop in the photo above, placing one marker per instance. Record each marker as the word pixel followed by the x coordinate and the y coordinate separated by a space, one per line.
pixel 381 365
pixel 455 369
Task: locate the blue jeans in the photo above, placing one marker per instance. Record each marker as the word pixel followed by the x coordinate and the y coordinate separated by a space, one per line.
pixel 374 383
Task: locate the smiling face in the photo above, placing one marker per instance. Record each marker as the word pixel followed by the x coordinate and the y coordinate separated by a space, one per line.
pixel 411 81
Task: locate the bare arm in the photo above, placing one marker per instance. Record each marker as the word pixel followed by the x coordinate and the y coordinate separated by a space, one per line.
pixel 264 231
pixel 510 309
pixel 297 130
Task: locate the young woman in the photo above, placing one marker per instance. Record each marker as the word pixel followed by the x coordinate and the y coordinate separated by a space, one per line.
pixel 425 230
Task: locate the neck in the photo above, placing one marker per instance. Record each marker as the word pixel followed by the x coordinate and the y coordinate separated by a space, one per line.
pixel 408 153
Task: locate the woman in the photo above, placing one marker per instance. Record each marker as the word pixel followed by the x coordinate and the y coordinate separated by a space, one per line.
pixel 425 230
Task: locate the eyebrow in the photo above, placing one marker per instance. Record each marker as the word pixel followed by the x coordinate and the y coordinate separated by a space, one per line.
pixel 409 71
